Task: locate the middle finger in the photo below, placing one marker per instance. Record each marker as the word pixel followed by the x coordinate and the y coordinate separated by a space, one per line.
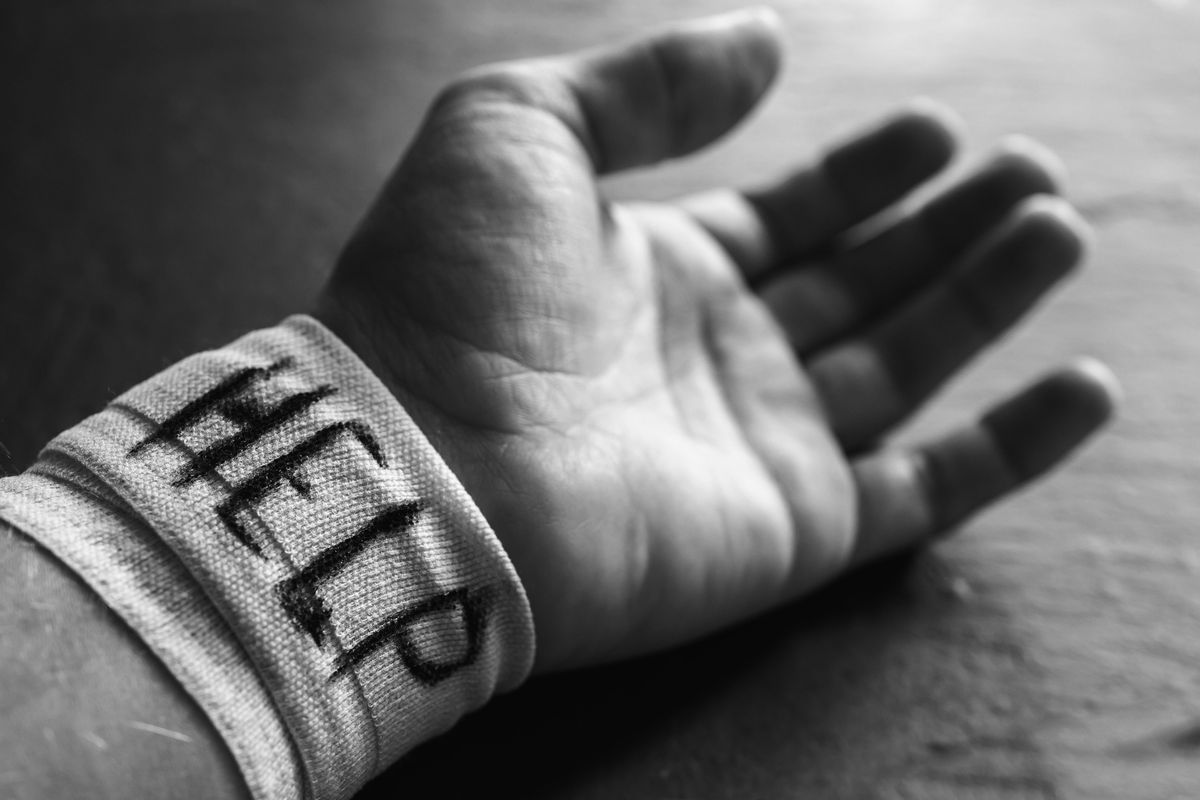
pixel 824 302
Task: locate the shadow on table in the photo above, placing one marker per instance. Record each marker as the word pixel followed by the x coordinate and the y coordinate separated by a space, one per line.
pixel 795 700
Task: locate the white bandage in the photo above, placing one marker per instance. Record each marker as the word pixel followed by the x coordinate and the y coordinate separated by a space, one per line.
pixel 269 520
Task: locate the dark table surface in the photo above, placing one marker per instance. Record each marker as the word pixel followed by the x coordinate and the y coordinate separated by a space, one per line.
pixel 176 172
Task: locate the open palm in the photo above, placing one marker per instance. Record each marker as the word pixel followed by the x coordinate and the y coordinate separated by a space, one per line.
pixel 671 413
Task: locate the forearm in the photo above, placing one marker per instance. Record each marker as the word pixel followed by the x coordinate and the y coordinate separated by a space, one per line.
pixel 88 710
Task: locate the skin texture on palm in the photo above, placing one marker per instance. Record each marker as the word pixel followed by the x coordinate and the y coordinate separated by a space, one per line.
pixel 669 413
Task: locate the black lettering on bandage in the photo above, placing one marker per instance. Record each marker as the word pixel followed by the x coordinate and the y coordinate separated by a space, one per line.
pixel 211 401
pixel 231 399
pixel 256 423
pixel 298 594
pixel 283 469
pixel 471 607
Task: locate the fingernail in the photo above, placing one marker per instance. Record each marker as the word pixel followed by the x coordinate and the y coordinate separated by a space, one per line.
pixel 942 114
pixel 760 16
pixel 1068 218
pixel 1026 147
pixel 1097 373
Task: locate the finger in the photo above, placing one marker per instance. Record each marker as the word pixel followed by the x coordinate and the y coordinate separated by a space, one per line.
pixel 870 383
pixel 669 94
pixel 906 496
pixel 853 181
pixel 828 301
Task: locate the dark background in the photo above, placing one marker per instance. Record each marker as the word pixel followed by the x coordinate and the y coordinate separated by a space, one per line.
pixel 175 172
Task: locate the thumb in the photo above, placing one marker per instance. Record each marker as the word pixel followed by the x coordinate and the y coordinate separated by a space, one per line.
pixel 669 94
pixel 641 102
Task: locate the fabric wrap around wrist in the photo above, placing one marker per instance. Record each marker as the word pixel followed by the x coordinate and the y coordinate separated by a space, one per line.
pixel 279 532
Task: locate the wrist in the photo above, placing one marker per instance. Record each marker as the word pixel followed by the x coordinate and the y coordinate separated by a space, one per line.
pixel 507 491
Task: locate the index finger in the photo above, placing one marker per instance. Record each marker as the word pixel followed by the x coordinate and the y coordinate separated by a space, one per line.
pixel 774 226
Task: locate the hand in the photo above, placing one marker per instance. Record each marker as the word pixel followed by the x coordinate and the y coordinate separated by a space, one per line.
pixel 671 413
